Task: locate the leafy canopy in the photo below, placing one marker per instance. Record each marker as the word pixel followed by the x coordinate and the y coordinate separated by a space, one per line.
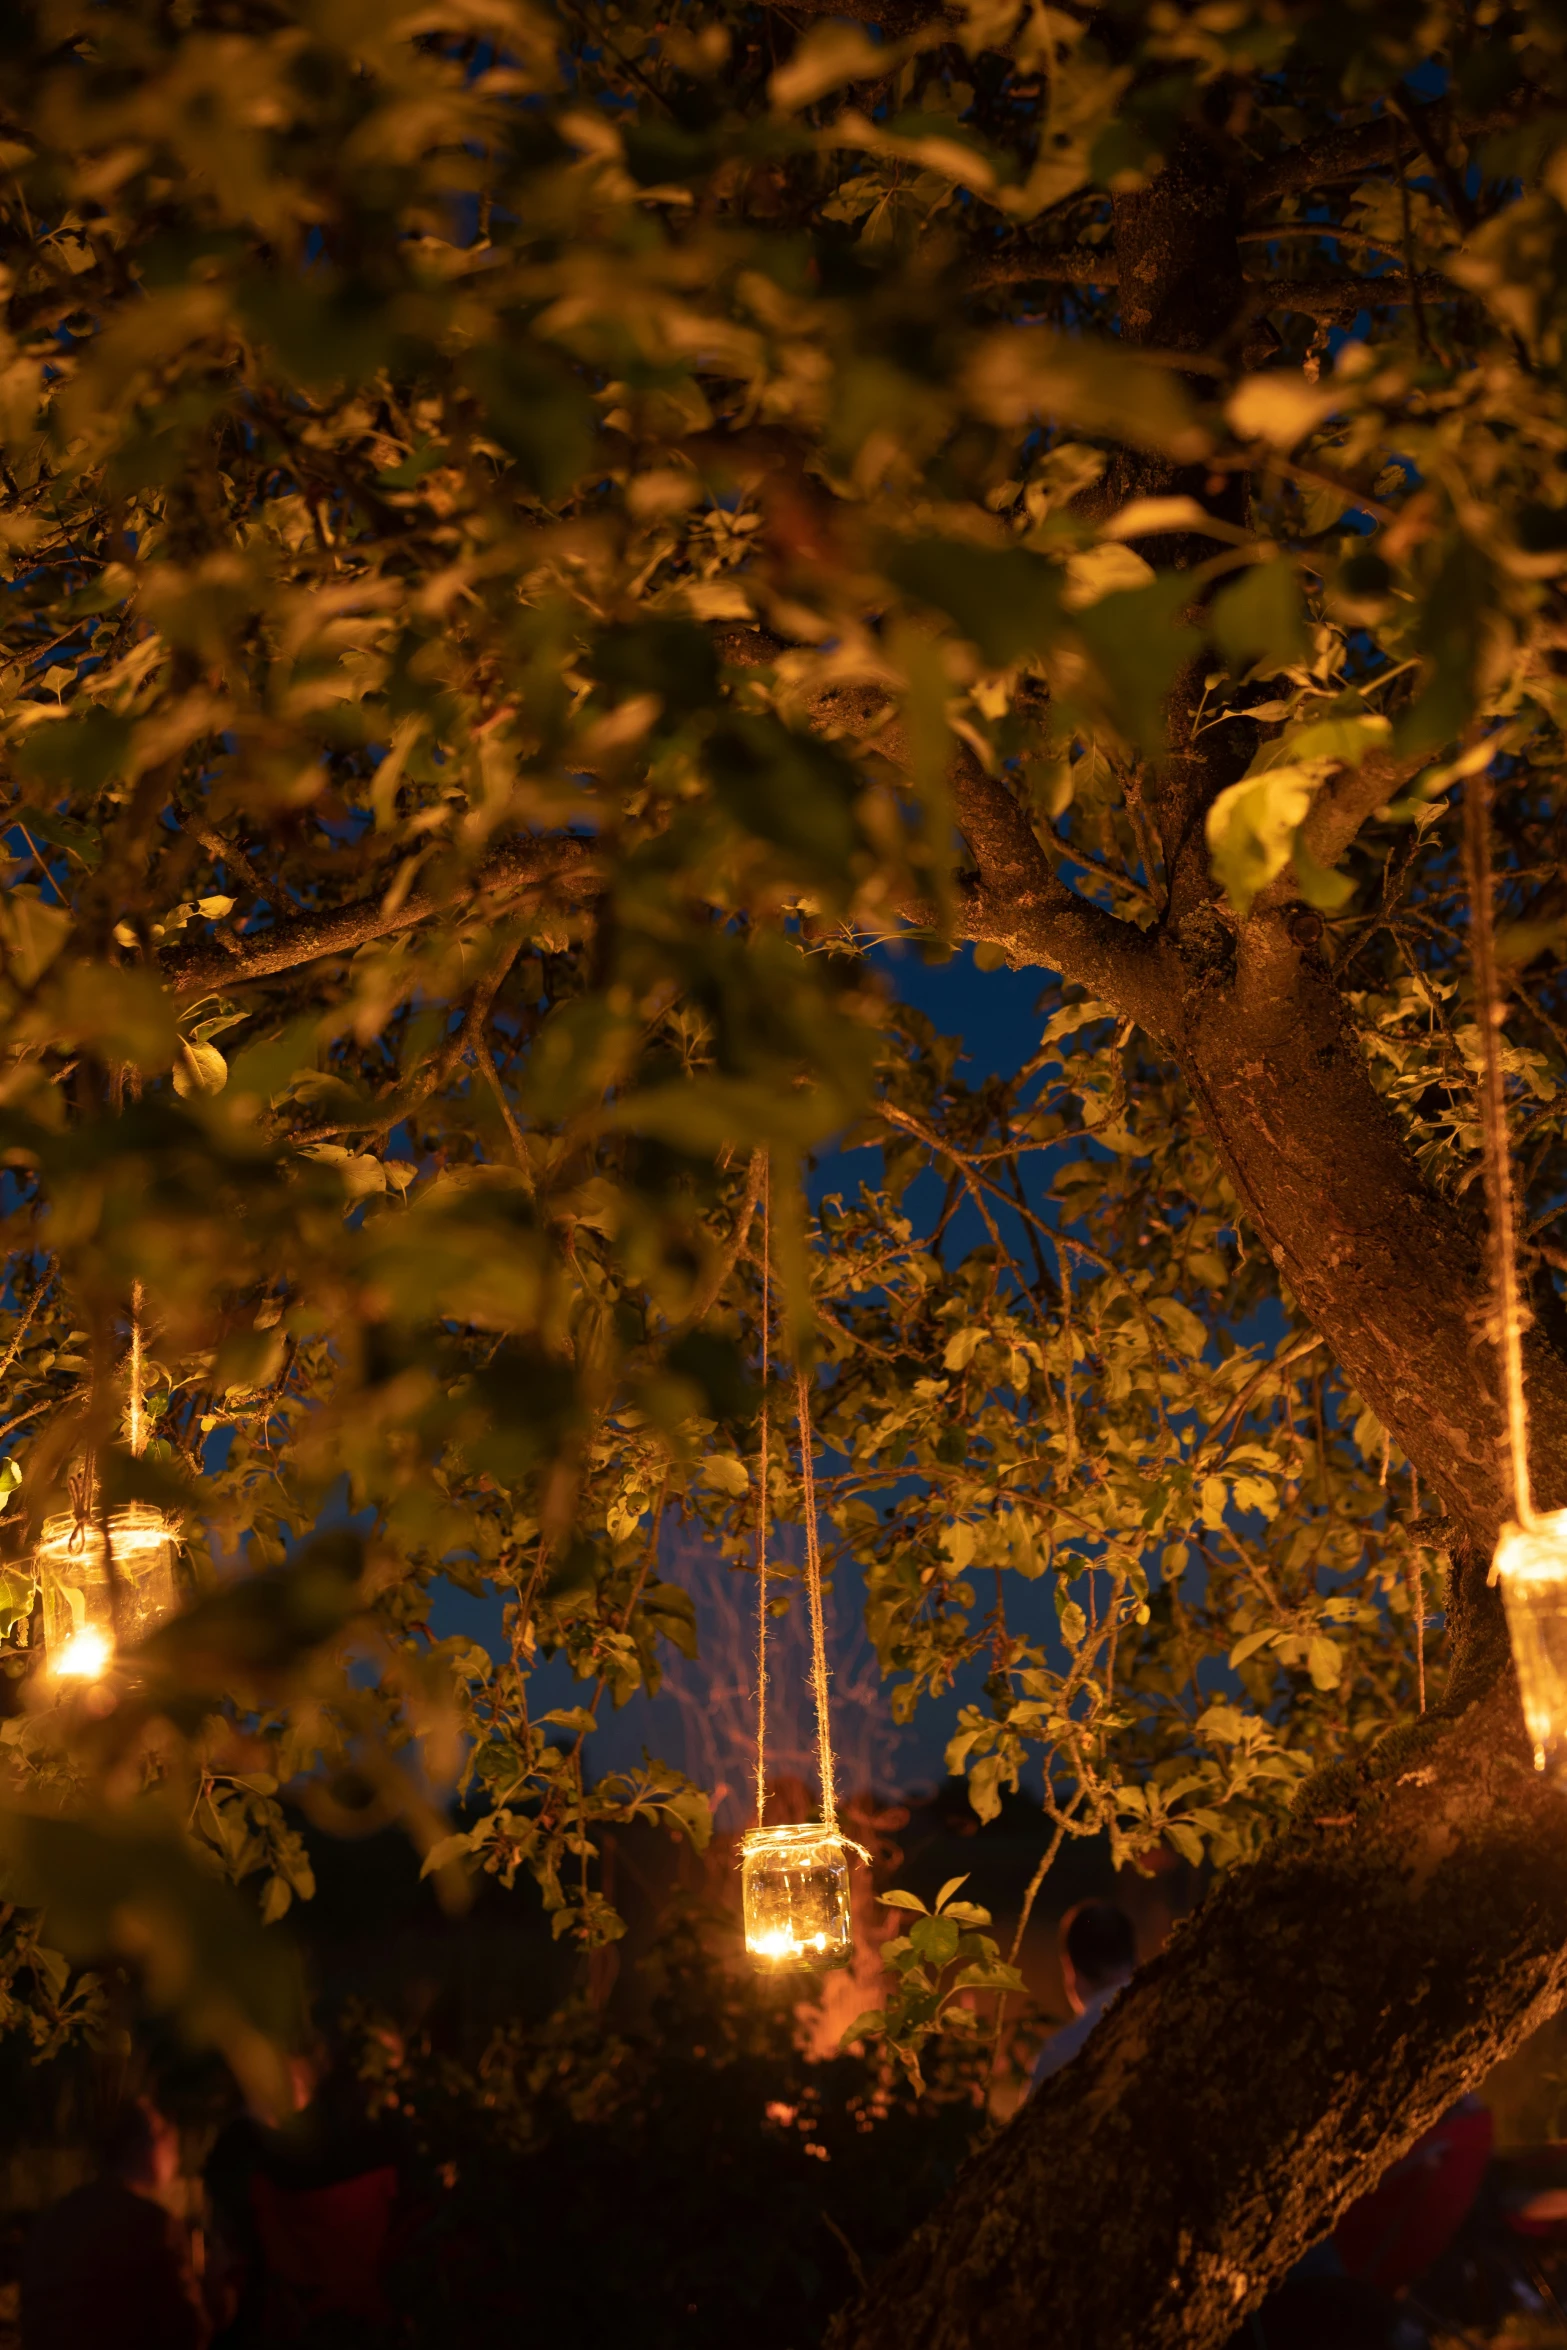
pixel 524 534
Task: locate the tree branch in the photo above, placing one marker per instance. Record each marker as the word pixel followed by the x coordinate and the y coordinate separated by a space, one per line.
pixel 1019 902
pixel 890 16
pixel 1342 297
pixel 1345 803
pixel 1331 2000
pixel 1371 146
pixel 1337 297
pixel 1338 813
pixel 717 1280
pixel 568 866
pixel 1067 265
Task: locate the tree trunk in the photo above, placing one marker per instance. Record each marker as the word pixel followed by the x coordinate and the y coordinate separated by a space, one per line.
pixel 1327 2004
pixel 1410 1927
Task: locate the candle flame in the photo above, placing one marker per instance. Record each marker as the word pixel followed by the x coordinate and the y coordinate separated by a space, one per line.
pixel 779 1942
pixel 85 1656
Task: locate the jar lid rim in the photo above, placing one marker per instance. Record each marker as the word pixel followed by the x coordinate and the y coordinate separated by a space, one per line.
pixel 791 1832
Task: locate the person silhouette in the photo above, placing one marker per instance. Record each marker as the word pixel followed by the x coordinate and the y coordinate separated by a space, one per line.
pixel 1098 1955
pixel 306 2212
pixel 109 2267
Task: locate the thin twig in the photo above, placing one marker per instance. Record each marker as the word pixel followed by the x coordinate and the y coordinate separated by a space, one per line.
pixel 713 1287
pixel 14 1348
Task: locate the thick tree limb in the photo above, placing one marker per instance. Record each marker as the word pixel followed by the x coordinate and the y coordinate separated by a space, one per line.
pixel 1338 815
pixel 1337 297
pixel 1016 900
pixel 1067 265
pixel 1326 2005
pixel 568 867
pixel 1331 2000
pixel 891 16
pixel 1343 297
pixel 1372 146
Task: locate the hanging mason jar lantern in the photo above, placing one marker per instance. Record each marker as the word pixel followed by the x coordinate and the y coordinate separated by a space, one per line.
pixel 1531 1567
pixel 794 1884
pixel 105 1583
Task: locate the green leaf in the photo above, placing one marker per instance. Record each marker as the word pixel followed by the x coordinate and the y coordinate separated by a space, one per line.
pixel 1259 620
pixel 65 832
pixel 901 1900
pixel 1003 598
pixel 935 1940
pixel 826 56
pixel 949 1888
pixel 791 789
pixel 1251 831
pixel 535 407
pixel 1018 375
pixel 1325 1661
pixel 256 1634
pixel 118 1014
pixel 991 1974
pixel 693 1810
pixel 1139 640
pixel 17 1589
pixel 1319 885
pixel 1454 627
pixel 1281 406
pixel 123 1884
pixel 199 1068
pixel 82 752
pixel 725 1472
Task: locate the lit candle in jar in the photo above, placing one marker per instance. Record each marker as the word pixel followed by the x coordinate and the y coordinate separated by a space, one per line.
pixel 795 1889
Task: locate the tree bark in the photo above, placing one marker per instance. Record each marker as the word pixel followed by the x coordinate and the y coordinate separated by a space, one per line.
pixel 1325 2006
pixel 519 871
pixel 1329 2002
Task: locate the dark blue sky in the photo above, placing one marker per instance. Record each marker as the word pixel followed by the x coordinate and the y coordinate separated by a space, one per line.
pixel 702 1719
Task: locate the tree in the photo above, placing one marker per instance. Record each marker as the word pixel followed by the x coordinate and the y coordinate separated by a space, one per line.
pixel 534 541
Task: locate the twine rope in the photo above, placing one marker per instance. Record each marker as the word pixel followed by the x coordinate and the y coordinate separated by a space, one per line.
pixel 813 1585
pixel 1508 1307
pixel 761 1506
pixel 813 1556
pixel 136 1430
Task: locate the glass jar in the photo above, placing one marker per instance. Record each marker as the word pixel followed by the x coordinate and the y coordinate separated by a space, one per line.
pixel 1531 1567
pixel 105 1583
pixel 795 1888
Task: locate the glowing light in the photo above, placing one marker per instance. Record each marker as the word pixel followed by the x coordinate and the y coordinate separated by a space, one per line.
pixel 86 1656
pixel 1531 1567
pixel 776 1942
pixel 104 1586
pixel 795 1888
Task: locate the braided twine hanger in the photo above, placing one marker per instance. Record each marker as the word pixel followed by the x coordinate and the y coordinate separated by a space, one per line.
pixel 1508 1309
pixel 826 1767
